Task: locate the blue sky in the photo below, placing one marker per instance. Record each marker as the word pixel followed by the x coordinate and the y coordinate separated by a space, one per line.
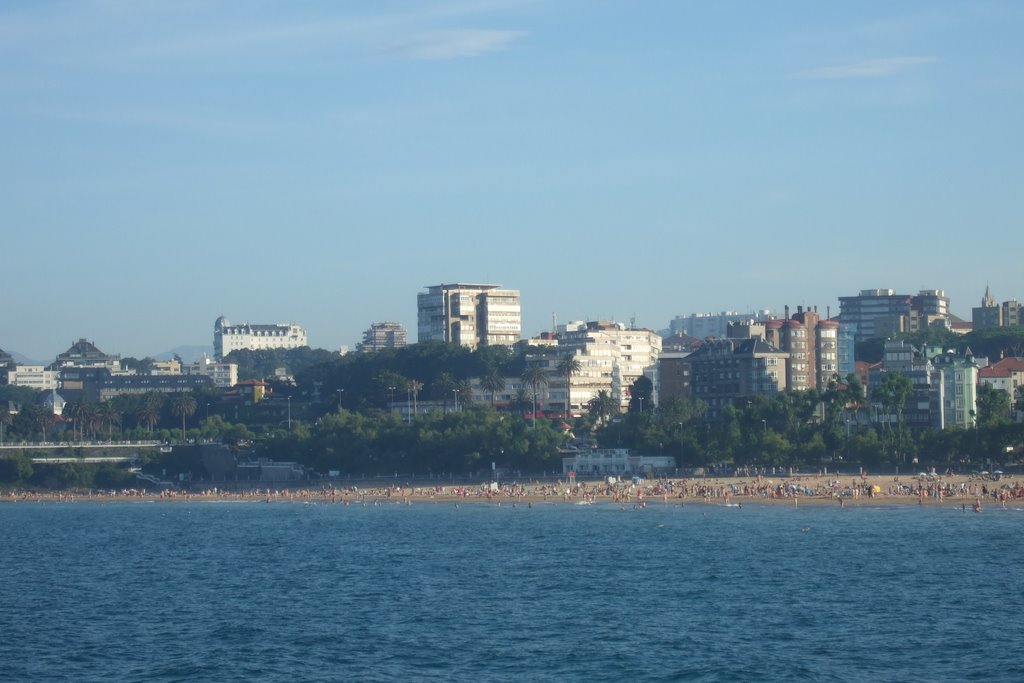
pixel 321 162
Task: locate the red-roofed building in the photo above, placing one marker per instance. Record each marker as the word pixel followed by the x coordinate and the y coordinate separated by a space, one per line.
pixel 1007 374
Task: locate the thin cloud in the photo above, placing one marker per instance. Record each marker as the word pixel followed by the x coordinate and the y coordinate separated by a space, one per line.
pixel 440 45
pixel 869 68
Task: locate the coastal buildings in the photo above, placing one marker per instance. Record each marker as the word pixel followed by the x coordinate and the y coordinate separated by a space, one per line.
pixel 611 357
pixel 228 337
pixel 1006 374
pixel 716 325
pixel 85 354
pixel 36 377
pixel 943 386
pixel 990 314
pixel 381 336
pixel 881 312
pixel 618 462
pixel 469 315
pixel 724 369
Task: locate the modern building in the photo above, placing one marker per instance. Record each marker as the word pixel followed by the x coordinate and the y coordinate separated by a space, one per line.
pixel 882 312
pixel 714 325
pixel 36 377
pixel 618 462
pixel 469 315
pixel 383 336
pixel 228 337
pixel 120 385
pixel 223 375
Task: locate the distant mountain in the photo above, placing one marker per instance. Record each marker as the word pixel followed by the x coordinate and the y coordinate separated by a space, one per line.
pixel 188 354
pixel 25 360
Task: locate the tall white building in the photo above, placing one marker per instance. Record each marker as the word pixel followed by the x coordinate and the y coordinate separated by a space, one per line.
pixel 228 337
pixel 469 315
pixel 611 358
pixel 224 375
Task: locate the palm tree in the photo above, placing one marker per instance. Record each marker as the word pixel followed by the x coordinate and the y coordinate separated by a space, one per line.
pixel 492 382
pixel 149 411
pixel 110 416
pixel 535 377
pixel 185 406
pixel 569 366
pixel 602 405
pixel 414 389
pixel 5 419
pixel 443 385
pixel 83 413
pixel 45 419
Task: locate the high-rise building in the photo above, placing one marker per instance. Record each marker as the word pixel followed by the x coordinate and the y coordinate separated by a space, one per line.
pixel 382 336
pixel 228 337
pixel 881 312
pixel 469 315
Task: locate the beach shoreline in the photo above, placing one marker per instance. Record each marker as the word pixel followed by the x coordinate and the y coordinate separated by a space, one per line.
pixel 961 491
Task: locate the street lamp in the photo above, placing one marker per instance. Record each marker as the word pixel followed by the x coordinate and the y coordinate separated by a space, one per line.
pixel 764 425
pixel 456 392
pixel 392 390
pixel 339 399
pixel 641 399
pixel 289 413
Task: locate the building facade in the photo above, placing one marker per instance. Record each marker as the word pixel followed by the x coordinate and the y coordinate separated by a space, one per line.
pixel 723 370
pixel 383 336
pixel 714 325
pixel 36 377
pixel 469 315
pixel 228 337
pixel 991 314
pixel 881 312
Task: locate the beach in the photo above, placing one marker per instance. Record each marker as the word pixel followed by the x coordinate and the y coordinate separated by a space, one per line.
pixel 964 491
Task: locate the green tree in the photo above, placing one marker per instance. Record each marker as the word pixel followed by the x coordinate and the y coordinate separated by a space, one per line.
pixel 184 406
pixel 893 392
pixel 535 377
pixel 492 382
pixel 641 392
pixel 109 416
pixel 603 406
pixel 149 410
pixel 993 405
pixel 5 420
pixel 569 366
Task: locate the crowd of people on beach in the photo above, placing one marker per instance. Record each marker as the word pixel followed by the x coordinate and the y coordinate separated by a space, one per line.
pixel 820 488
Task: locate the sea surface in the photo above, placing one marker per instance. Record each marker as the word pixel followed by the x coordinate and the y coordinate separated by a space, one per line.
pixel 433 592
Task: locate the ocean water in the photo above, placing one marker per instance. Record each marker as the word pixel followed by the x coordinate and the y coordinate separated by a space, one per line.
pixel 431 592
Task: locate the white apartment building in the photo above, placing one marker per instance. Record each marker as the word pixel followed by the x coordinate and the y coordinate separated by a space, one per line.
pixel 224 375
pixel 228 337
pixel 611 358
pixel 469 314
pixel 33 376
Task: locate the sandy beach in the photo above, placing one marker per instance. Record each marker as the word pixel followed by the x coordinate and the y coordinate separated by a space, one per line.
pixel 842 490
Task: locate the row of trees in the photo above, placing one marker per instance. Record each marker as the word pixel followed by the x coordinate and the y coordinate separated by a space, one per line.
pixel 92 420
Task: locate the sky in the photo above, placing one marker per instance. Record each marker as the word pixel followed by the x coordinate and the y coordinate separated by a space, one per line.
pixel 167 162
